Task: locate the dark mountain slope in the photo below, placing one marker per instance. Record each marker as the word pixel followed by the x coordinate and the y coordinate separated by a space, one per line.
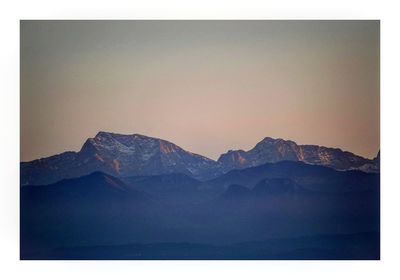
pixel 279 200
pixel 93 209
pixel 174 188
pixel 311 177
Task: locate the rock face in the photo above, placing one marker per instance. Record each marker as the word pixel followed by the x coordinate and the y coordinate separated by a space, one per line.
pixel 138 155
pixel 119 155
pixel 274 150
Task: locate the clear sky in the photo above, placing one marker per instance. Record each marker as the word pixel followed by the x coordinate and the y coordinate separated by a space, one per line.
pixel 207 86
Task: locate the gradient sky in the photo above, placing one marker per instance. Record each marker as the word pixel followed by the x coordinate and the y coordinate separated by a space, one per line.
pixel 207 86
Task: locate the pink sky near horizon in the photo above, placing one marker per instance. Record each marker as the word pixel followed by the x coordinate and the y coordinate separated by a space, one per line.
pixel 207 86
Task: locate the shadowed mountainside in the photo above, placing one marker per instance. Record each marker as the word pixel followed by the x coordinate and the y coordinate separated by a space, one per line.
pixel 91 216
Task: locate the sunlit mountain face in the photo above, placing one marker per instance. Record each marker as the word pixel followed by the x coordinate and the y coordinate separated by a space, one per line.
pixel 119 155
pixel 274 150
pixel 139 197
pixel 139 155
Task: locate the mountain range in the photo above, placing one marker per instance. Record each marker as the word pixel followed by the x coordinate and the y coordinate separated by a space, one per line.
pixel 138 197
pixel 274 150
pixel 138 155
pixel 173 214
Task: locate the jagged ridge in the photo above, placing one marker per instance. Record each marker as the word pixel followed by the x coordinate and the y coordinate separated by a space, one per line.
pixel 137 155
pixel 273 150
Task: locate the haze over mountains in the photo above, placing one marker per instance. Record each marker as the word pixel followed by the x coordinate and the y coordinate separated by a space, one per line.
pixel 138 197
pixel 283 210
pixel 132 155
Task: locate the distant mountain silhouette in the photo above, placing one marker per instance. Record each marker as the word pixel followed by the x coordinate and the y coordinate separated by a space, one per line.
pixel 272 186
pixel 138 197
pixel 96 183
pixel 137 155
pixel 175 187
pixel 92 209
pixel 235 192
pixel 281 200
pixel 311 177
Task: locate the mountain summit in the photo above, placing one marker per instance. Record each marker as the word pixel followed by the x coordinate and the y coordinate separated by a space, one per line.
pixel 119 155
pixel 273 150
pixel 142 155
pixel 132 155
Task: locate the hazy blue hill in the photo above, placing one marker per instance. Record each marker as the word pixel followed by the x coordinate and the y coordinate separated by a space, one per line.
pixel 281 200
pixel 236 191
pixel 173 188
pixel 311 177
pixel 91 209
pixel 273 186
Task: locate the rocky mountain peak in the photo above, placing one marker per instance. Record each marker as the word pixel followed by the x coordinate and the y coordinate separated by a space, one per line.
pixel 121 155
pixel 134 154
pixel 270 150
